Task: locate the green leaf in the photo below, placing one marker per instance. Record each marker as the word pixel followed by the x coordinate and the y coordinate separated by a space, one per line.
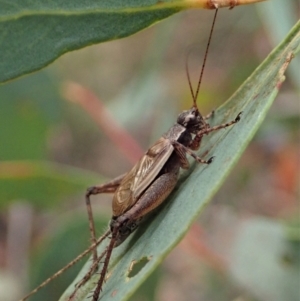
pixel 41 182
pixel 160 233
pixel 34 33
pixel 34 36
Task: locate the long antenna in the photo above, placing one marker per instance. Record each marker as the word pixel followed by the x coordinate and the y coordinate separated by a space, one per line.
pixel 204 61
pixel 189 78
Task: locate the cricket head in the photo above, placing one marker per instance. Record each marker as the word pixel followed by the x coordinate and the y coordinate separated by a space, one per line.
pixel 192 120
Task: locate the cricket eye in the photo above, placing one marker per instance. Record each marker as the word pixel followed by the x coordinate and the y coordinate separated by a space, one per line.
pixel 187 118
pixel 191 119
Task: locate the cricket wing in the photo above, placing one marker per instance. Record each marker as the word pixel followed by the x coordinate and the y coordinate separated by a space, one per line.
pixel 141 176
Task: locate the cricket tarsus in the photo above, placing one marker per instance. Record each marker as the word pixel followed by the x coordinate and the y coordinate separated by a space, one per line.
pixel 210 160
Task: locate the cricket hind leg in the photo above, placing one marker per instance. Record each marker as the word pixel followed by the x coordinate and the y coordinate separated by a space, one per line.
pixel 109 187
pixel 88 275
pixel 108 252
pixel 150 200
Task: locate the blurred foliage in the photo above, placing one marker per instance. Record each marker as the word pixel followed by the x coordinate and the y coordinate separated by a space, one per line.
pixel 43 183
pixel 29 107
pixel 50 150
pixel 261 252
pixel 68 240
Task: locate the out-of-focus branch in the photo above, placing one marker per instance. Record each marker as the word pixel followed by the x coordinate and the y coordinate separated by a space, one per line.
pixel 107 123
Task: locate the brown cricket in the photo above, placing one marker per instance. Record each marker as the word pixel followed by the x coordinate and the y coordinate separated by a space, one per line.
pixel 152 179
pixel 148 184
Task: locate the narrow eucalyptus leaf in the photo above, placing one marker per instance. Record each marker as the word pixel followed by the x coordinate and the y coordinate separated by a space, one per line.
pixel 35 33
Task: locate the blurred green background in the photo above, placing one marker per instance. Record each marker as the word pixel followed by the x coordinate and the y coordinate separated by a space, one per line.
pixel 53 147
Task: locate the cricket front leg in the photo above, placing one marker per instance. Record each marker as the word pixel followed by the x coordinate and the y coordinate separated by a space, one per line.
pixel 109 187
pixel 209 115
pixel 109 249
pixel 197 140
